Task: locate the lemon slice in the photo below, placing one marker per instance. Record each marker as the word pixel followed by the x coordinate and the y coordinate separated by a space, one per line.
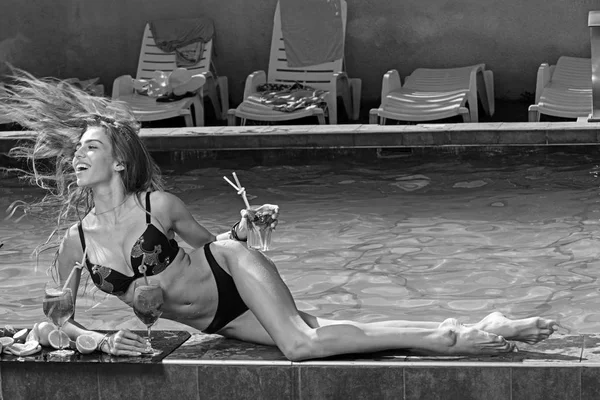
pixel 20 336
pixel 43 330
pixel 56 337
pixel 86 344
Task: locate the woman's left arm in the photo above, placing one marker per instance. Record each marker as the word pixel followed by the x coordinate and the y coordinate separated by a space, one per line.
pixel 183 222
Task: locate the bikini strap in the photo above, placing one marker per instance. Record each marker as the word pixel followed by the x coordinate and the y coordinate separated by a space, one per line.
pixel 148 220
pixel 81 237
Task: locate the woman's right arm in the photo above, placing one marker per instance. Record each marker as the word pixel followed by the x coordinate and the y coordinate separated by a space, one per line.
pixel 70 256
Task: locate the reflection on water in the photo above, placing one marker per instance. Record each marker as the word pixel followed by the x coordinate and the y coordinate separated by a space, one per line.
pixel 391 239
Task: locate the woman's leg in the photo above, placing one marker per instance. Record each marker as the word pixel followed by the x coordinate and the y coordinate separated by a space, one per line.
pixel 271 302
pixel 527 330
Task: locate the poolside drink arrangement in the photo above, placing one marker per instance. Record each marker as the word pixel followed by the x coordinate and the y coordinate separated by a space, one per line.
pixel 58 306
pixel 147 300
pixel 260 223
pixel 260 228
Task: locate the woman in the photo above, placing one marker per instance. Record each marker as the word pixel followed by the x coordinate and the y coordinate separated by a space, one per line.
pixel 98 171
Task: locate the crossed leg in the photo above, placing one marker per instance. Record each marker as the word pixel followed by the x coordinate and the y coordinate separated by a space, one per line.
pixel 274 319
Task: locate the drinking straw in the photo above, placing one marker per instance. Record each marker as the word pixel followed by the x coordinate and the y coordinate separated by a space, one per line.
pixel 236 179
pixel 240 190
pixel 76 266
pixel 142 269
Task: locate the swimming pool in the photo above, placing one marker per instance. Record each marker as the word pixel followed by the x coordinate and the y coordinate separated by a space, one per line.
pixel 409 237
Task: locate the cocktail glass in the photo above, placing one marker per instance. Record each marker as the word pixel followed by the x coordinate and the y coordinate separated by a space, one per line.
pixel 147 301
pixel 260 228
pixel 58 306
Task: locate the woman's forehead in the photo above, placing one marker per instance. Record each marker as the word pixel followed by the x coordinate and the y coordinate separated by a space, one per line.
pixel 95 133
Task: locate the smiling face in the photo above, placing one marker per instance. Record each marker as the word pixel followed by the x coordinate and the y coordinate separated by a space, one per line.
pixel 93 161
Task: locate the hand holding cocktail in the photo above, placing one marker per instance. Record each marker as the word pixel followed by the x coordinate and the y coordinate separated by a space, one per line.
pixel 257 222
pixel 260 222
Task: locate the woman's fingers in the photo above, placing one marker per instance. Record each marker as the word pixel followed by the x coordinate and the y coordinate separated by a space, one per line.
pixel 125 342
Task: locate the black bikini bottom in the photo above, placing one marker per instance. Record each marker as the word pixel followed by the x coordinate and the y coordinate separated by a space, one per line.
pixel 230 303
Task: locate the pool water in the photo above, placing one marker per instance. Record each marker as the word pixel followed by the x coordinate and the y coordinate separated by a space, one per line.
pixel 407 238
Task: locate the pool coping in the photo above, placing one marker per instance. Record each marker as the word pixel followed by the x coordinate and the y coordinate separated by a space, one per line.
pixel 228 371
pixel 366 136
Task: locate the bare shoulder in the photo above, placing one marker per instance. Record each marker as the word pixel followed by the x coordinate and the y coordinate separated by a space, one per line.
pixel 71 247
pixel 166 200
pixel 71 237
pixel 228 250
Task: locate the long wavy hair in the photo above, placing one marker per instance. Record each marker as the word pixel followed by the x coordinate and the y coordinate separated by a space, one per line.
pixel 59 113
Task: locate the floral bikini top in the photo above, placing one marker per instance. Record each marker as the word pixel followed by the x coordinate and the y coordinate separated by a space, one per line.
pixel 152 253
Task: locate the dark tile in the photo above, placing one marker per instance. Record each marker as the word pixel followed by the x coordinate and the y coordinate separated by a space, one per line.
pixel 474 137
pixel 350 382
pixel 522 137
pixel 460 383
pixel 571 136
pixel 49 381
pixel 283 141
pixel 383 139
pixel 590 383
pixel 532 383
pixel 216 347
pixel 145 382
pixel 433 138
pixel 330 140
pixel 245 382
pixel 558 348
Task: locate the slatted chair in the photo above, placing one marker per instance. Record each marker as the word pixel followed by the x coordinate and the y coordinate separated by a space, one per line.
pixel 435 93
pixel 153 59
pixel 563 90
pixel 328 76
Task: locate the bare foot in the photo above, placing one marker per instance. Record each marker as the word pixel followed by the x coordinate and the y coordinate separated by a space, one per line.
pixel 528 330
pixel 458 339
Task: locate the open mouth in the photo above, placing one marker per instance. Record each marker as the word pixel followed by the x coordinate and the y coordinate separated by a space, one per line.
pixel 81 167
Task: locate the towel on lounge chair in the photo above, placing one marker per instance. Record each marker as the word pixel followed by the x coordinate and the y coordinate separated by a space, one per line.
pixel 312 31
pixel 185 37
pixel 289 98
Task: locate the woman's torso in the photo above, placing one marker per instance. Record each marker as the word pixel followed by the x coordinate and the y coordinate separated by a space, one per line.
pixel 189 289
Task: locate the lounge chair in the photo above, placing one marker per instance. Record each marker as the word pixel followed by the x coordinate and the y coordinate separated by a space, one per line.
pixel 328 76
pixel 153 59
pixel 433 94
pixel 563 90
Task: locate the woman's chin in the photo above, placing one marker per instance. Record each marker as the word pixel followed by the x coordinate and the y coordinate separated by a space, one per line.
pixel 81 183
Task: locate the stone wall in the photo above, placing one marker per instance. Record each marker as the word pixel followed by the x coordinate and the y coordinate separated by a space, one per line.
pixel 73 38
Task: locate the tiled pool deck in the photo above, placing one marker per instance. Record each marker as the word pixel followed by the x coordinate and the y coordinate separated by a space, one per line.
pixel 211 367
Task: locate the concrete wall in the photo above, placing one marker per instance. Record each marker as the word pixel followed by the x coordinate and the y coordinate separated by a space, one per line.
pixel 89 38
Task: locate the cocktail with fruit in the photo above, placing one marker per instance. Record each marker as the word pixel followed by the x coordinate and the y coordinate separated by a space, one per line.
pixel 58 306
pixel 147 301
pixel 261 221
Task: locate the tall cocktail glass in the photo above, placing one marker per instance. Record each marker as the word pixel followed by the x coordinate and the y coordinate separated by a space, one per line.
pixel 58 306
pixel 147 301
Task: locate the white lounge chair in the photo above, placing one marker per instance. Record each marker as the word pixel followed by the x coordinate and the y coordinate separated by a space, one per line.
pixel 431 94
pixel 153 59
pixel 328 76
pixel 563 90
